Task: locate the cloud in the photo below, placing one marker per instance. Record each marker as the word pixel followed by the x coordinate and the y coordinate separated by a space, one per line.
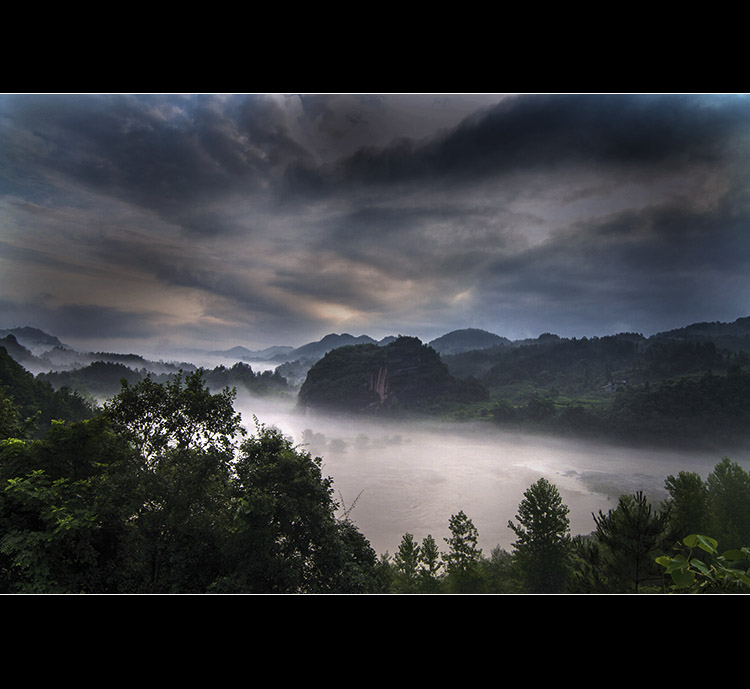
pixel 269 216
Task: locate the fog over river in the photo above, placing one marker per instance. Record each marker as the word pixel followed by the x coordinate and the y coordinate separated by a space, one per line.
pixel 403 477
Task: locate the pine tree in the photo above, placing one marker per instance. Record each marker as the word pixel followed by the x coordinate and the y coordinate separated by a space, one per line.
pixel 542 549
pixel 464 557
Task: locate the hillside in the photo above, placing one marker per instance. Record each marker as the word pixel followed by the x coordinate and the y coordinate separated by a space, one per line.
pixel 36 399
pixel 402 375
pixel 35 340
pixel 466 340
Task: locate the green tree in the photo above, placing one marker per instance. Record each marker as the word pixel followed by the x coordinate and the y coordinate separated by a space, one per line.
pixel 185 438
pixel 687 504
pixel 11 425
pixel 542 549
pixel 286 537
pixel 430 565
pixel 728 487
pixel 406 565
pixel 464 557
pixel 626 542
pixel 500 572
pixel 157 495
pixel 177 415
pixel 65 510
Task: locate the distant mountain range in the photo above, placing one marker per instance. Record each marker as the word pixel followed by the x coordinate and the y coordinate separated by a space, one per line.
pixel 245 354
pixel 38 350
pixel 690 384
pixel 34 340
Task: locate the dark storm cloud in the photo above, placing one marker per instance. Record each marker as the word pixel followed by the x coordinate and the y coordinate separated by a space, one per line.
pixel 529 132
pixel 170 154
pixel 650 268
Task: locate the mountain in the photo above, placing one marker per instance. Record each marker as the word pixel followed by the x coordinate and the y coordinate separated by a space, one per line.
pixel 734 336
pixel 17 351
pixel 466 340
pixel 317 350
pixel 35 399
pixel 403 375
pixel 245 354
pixel 35 340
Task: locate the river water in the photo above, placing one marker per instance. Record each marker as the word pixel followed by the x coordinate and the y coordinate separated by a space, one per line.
pixel 397 478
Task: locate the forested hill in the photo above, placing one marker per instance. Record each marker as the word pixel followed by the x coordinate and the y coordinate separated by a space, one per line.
pixel 466 340
pixel 35 403
pixel 402 375
pixel 676 387
pixel 589 365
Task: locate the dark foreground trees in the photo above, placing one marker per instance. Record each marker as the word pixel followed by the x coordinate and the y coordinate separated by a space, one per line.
pixel 620 556
pixel 161 494
pixel 542 548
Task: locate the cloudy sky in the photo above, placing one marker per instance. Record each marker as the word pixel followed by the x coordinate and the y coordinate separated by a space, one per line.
pixel 143 222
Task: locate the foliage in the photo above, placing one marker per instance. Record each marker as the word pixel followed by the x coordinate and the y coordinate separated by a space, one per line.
pixel 157 494
pixel 64 508
pixel 542 548
pixel 620 558
pixel 728 489
pixel 286 536
pixel 712 572
pixel 720 505
pixel 430 566
pixel 35 401
pixel 464 557
pixel 406 566
pixel 687 503
pixel 176 415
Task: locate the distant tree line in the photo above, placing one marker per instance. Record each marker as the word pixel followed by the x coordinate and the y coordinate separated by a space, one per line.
pixel 711 409
pixel 101 379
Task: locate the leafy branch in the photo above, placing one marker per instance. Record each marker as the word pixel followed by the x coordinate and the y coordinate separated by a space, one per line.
pixel 709 572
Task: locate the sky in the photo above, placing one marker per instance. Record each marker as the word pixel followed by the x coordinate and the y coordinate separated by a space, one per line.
pixel 156 222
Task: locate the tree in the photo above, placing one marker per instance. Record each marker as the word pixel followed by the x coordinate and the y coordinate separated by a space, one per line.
pixel 430 564
pixel 65 511
pixel 286 537
pixel 177 415
pixel 464 557
pixel 626 542
pixel 542 549
pixel 11 425
pixel 728 488
pixel 500 572
pixel 185 438
pixel 687 504
pixel 406 565
pixel 156 495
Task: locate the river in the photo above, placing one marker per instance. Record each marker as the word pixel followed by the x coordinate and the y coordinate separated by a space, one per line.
pixel 397 478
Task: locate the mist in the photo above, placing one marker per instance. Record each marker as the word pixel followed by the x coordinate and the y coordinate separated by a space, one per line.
pixel 395 477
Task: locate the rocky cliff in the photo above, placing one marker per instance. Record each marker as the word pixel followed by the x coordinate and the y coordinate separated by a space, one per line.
pixel 403 375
